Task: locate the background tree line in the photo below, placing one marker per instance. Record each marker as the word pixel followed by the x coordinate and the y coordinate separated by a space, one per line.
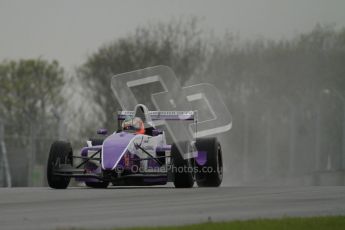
pixel 286 97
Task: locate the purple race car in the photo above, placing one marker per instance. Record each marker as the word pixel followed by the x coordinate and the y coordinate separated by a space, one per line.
pixel 137 154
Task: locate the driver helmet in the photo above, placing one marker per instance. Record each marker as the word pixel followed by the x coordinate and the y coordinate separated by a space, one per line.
pixel 133 125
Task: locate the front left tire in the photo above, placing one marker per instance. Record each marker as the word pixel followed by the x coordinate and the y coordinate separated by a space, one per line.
pixel 214 162
pixel 182 168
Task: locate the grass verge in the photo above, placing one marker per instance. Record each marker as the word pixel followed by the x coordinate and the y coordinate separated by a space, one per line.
pixel 300 223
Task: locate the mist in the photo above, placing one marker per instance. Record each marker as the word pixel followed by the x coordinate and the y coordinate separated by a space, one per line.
pixel 285 90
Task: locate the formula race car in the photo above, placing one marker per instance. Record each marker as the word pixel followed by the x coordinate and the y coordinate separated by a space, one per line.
pixel 137 155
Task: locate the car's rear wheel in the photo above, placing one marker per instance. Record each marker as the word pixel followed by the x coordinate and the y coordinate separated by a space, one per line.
pixel 91 166
pixel 103 184
pixel 211 173
pixel 182 168
pixel 60 154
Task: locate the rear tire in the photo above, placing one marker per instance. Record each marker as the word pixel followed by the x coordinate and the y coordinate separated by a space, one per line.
pixel 60 153
pixel 182 169
pixel 103 184
pixel 214 161
pixel 91 166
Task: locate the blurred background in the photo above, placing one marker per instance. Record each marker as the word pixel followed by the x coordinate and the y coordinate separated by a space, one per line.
pixel 278 65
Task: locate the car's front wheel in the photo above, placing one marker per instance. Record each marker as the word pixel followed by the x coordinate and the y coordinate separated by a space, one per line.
pixel 182 168
pixel 211 173
pixel 60 153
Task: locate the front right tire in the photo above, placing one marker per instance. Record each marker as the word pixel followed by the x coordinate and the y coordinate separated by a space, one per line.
pixel 60 153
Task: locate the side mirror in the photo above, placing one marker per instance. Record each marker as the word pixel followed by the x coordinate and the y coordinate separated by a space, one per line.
pixel 156 132
pixel 102 131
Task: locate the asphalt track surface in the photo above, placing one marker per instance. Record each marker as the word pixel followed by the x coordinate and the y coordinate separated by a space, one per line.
pixel 45 208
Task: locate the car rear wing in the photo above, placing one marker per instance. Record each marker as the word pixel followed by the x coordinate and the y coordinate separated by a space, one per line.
pixel 162 115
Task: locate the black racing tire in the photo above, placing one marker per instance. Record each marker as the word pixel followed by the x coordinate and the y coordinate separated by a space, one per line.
pixel 182 178
pixel 60 153
pixel 101 184
pixel 214 161
pixel 97 184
